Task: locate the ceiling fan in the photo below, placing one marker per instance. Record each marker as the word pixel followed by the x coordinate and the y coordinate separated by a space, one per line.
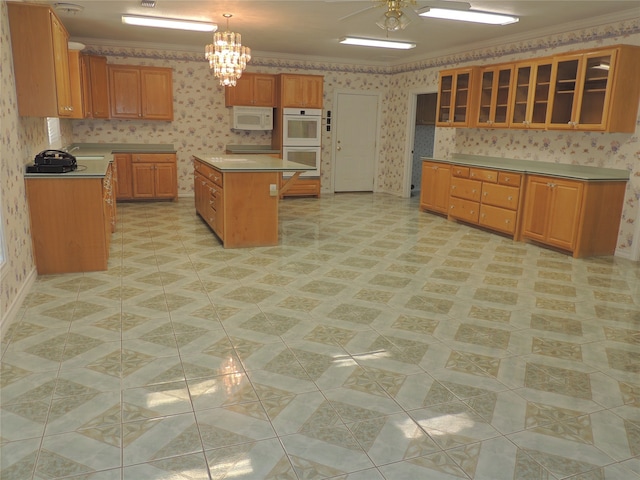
pixel 396 16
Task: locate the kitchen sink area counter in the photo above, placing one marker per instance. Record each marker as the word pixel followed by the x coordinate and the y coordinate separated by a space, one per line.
pixel 238 196
pixel 573 208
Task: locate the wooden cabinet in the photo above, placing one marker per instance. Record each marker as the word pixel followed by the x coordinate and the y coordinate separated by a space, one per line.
pixel 238 206
pixel 124 183
pixel 455 97
pixel 593 90
pixel 144 93
pixel 71 239
pixel 494 104
pixel 95 86
pixel 252 89
pixel 40 61
pixel 300 187
pixel 146 176
pixel 580 217
pixel 301 91
pixel 531 94
pixel 434 187
pixel 76 83
pixel 154 176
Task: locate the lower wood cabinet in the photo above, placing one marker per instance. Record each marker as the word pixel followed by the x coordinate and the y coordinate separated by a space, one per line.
pixel 146 176
pixel 434 187
pixel 72 219
pixel 580 217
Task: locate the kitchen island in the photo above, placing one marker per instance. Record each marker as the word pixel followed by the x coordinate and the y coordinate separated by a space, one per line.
pixel 238 195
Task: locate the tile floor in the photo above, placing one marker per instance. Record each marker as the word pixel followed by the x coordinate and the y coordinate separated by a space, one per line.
pixel 376 342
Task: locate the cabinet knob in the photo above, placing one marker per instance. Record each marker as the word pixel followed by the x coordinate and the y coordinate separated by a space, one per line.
pixel 452 207
pixel 473 191
pixel 507 179
pixel 453 187
pixel 509 198
pixel 507 221
pixel 484 194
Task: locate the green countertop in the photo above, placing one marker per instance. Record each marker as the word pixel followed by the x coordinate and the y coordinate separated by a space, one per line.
pixel 251 149
pixel 93 158
pixel 576 172
pixel 251 163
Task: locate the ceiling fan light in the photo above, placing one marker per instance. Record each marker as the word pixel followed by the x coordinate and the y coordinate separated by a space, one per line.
pixel 469 16
pixel 371 42
pixel 172 23
pixel 393 20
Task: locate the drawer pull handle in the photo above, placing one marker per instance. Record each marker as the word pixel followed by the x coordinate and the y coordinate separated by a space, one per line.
pixel 506 221
pixel 484 193
pixel 473 191
pixel 453 187
pixel 507 179
pixel 509 198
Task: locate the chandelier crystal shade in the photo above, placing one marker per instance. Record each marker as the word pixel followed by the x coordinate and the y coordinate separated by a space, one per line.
pixel 227 56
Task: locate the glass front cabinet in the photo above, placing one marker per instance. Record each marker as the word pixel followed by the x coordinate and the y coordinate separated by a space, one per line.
pixel 531 95
pixel 455 97
pixel 495 96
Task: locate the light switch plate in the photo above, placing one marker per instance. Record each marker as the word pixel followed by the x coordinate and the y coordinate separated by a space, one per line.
pixel 273 189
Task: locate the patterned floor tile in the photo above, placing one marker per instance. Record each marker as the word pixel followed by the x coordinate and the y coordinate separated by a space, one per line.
pixel 376 341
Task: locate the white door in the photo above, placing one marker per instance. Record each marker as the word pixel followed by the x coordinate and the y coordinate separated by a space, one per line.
pixel 356 124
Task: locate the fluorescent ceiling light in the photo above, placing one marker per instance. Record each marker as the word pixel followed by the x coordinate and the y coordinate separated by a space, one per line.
pixel 469 16
pixel 369 42
pixel 169 23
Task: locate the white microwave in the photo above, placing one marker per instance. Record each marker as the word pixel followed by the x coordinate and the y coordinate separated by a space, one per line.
pixel 252 118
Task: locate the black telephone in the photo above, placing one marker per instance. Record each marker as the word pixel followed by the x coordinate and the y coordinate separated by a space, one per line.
pixel 55 157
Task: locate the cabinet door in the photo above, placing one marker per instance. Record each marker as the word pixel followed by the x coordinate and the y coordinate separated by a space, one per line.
pixel 454 99
pixel 566 91
pixel 531 95
pixel 434 187
pixel 76 85
pixel 301 91
pixel 124 86
pixel 61 65
pixel 312 91
pixel 165 180
pixel 264 91
pixel 593 103
pixel 124 185
pixel 98 86
pixel 241 93
pixel 495 97
pixel 536 208
pixel 143 175
pixel 156 93
pixel 564 216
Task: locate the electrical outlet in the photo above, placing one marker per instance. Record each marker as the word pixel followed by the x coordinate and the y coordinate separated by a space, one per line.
pixel 273 190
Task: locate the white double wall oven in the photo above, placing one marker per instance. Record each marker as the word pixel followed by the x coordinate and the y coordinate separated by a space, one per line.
pixel 301 131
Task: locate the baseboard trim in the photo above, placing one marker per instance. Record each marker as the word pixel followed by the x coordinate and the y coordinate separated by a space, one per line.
pixel 10 314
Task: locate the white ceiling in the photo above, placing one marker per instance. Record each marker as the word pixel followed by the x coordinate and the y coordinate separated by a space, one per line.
pixel 303 28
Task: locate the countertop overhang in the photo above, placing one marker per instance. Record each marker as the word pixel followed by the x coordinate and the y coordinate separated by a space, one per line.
pixel 531 167
pixel 251 163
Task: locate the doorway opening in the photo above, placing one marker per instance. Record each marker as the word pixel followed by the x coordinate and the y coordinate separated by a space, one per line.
pixel 423 136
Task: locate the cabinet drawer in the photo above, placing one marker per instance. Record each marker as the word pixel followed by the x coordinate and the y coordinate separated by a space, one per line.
pixel 216 198
pixel 153 157
pixel 500 195
pixel 458 171
pixel 464 209
pixel 467 189
pixel 509 178
pixel 208 172
pixel 498 218
pixel 484 175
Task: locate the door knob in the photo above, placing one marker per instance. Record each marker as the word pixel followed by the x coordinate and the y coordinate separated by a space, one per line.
pixel 339 148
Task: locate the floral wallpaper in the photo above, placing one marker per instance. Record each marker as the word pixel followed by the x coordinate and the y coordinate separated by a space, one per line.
pixel 201 124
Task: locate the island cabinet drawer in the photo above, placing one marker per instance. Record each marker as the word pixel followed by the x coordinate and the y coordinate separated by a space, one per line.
pixel 153 158
pixel 483 174
pixel 509 178
pixel 498 218
pixel 464 209
pixel 208 172
pixel 500 195
pixel 465 188
pixel 458 171
pixel 217 197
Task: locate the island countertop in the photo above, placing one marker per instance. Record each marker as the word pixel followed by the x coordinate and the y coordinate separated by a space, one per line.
pixel 251 163
pixel 577 172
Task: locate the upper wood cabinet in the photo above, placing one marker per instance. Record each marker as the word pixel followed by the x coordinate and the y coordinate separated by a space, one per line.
pixel 40 61
pixel 455 97
pixel 304 91
pixel 76 84
pixel 95 86
pixel 531 94
pixel 494 105
pixel 594 90
pixel 144 93
pixel 252 89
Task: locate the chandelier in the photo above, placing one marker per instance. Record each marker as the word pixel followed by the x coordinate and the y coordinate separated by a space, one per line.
pixel 394 19
pixel 227 56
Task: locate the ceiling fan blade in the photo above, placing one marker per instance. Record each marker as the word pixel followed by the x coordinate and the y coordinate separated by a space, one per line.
pixel 357 12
